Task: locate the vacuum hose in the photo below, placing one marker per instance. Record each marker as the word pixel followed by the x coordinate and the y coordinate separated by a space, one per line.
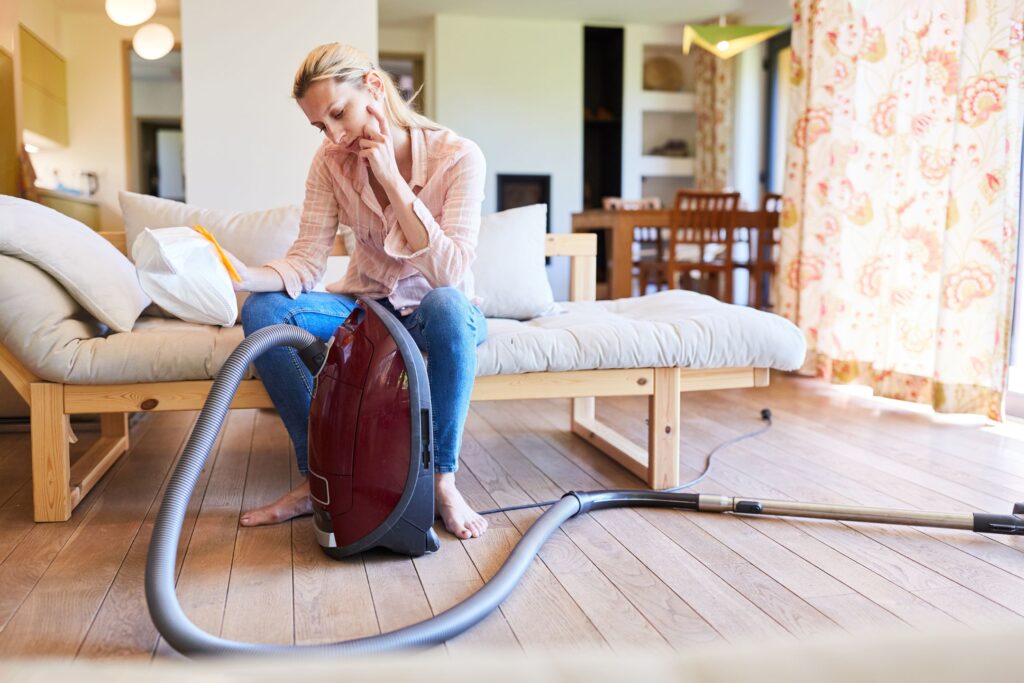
pixel 189 639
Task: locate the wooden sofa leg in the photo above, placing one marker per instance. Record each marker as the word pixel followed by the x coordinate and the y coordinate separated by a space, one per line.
pixel 115 425
pixel 51 454
pixel 583 410
pixel 663 430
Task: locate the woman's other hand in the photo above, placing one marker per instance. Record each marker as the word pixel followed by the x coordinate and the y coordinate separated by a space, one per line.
pixel 378 148
pixel 244 283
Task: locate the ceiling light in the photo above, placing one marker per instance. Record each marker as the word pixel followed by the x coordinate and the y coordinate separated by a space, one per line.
pixel 726 41
pixel 153 41
pixel 130 12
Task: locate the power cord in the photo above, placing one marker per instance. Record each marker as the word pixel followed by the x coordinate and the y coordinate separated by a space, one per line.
pixel 766 417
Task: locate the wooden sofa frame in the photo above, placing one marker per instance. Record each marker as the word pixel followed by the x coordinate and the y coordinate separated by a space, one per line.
pixel 58 485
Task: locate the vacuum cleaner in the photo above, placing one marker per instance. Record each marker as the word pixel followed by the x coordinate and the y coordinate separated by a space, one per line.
pixel 371 481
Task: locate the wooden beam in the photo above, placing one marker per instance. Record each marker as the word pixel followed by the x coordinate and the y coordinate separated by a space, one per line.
pixel 719 378
pixel 51 454
pixel 156 396
pixel 584 408
pixel 117 238
pixel 91 467
pixel 663 430
pixel 583 278
pixel 613 444
pixel 570 244
pixel 16 373
pixel 638 382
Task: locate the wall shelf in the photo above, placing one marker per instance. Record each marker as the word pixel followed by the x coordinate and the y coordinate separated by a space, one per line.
pixel 656 120
pixel 656 100
pixel 651 165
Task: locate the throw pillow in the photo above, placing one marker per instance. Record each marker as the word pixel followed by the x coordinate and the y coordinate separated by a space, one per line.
pixel 509 273
pixel 92 270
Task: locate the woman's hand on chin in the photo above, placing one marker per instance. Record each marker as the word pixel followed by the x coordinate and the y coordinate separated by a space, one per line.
pixel 377 147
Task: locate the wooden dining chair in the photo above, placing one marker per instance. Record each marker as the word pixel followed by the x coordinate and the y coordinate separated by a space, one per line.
pixel 699 253
pixel 764 251
pixel 649 256
pixel 648 241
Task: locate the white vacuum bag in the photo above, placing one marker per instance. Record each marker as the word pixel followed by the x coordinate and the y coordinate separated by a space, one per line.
pixel 183 272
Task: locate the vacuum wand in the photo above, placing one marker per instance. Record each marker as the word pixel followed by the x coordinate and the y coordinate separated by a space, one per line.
pixel 982 522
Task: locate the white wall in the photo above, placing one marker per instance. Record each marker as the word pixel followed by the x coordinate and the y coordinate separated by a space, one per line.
pixel 748 119
pixel 92 45
pixel 781 128
pixel 247 144
pixel 405 38
pixel 635 36
pixel 515 87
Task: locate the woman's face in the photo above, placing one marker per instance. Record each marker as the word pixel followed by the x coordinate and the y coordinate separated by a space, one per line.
pixel 339 110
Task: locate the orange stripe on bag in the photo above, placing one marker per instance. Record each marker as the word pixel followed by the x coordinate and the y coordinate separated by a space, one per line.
pixel 223 257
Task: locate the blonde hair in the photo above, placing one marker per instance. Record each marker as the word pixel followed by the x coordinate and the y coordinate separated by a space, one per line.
pixel 347 64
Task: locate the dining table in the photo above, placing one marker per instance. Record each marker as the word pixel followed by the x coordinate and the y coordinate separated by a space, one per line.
pixel 615 229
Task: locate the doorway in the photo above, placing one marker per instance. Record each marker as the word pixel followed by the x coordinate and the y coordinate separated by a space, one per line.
pixel 153 112
pixel 407 70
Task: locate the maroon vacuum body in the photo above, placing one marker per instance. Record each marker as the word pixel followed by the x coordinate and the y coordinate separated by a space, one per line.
pixel 370 441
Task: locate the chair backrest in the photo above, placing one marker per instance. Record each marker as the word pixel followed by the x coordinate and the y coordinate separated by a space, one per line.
pixel 768 226
pixel 620 204
pixel 703 218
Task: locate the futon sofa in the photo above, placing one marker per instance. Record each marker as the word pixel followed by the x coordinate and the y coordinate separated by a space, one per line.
pixel 78 336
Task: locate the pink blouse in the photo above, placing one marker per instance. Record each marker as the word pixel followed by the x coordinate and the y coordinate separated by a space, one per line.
pixel 448 175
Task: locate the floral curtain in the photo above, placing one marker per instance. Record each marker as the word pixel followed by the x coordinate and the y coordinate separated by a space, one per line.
pixel 713 106
pixel 900 218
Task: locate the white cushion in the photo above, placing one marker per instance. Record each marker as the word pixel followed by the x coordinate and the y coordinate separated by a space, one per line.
pixel 509 272
pixel 255 237
pixel 93 271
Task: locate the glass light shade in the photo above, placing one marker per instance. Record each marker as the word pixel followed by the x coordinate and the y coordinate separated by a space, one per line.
pixel 153 41
pixel 130 12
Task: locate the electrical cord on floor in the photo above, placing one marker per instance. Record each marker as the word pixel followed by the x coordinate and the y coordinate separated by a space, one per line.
pixel 766 417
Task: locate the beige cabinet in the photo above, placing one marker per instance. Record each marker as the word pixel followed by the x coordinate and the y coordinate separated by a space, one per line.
pixel 43 89
pixel 8 131
pixel 81 209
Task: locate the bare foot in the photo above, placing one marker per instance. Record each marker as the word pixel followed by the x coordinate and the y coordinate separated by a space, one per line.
pixel 459 518
pixel 295 503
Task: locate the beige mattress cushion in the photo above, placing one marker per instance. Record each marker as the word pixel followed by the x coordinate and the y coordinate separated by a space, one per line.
pixel 671 328
pixel 675 328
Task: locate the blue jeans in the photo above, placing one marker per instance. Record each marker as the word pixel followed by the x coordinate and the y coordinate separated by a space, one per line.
pixel 445 325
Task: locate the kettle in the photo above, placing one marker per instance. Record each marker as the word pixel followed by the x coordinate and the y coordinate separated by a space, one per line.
pixel 90 183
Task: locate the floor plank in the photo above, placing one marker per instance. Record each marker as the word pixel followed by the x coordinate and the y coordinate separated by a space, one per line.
pixel 206 570
pixel 55 617
pixel 122 627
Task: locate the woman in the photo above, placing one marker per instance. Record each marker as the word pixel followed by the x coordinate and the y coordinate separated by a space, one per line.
pixel 411 192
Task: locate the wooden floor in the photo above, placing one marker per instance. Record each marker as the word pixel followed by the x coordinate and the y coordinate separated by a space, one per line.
pixel 613 579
